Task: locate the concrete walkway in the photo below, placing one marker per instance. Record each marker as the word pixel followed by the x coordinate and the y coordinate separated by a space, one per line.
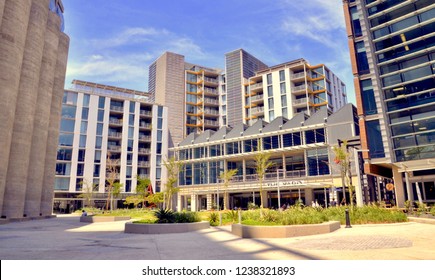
pixel 65 238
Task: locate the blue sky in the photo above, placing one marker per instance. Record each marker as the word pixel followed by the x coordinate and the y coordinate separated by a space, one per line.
pixel 114 41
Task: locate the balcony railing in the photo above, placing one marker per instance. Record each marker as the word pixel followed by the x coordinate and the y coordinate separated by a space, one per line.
pixel 146 113
pixel 299 88
pixel 300 101
pixel 256 86
pixel 115 134
pixel 115 121
pixel 116 108
pixel 269 176
pixel 144 137
pixel 212 123
pixel 298 75
pixel 143 164
pixel 114 148
pixel 144 151
pixel 257 110
pixel 145 125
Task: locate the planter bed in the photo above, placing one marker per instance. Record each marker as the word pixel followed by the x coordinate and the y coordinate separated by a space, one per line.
pixel 100 219
pixel 245 231
pixel 164 228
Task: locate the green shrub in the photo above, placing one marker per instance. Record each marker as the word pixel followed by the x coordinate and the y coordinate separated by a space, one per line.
pixel 432 210
pixel 231 215
pixel 252 206
pixel 213 218
pixel 164 216
pixel 186 217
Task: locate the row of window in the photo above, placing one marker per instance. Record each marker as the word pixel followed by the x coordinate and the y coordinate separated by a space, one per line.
pixel 251 145
pixel 209 172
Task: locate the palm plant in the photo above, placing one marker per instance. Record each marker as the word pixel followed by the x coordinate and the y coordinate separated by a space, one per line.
pixel 226 176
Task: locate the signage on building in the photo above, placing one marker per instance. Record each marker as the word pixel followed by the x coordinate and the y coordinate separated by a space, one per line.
pixel 287 183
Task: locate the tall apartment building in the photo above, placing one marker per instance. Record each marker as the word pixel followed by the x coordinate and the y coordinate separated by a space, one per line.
pixel 239 66
pixel 392 46
pixel 33 57
pixel 290 88
pixel 101 122
pixel 192 93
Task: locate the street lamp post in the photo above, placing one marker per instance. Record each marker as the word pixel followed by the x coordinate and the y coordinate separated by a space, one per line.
pixel 358 190
pixel 277 183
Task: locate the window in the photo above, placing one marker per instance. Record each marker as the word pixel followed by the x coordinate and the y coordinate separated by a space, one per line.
pixel 356 26
pixel 132 106
pixel 318 162
pixel 82 143
pixel 83 127
pixel 64 154
pixel 368 97
pixel 69 98
pixel 269 79
pixel 284 100
pixel 81 156
pixel 101 102
pixel 362 62
pixel 251 145
pixel 63 169
pixel 67 125
pixel 269 91
pixel 66 139
pixel 85 113
pixel 86 100
pixel 282 88
pixel 374 137
pixel 281 76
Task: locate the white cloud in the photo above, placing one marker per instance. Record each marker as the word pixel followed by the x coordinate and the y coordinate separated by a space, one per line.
pixel 124 57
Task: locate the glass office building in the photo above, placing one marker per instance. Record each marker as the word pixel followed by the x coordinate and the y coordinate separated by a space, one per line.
pixel 392 46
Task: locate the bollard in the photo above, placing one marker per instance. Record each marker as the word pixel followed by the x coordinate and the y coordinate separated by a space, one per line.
pixel 347 219
pixel 240 216
pixel 220 218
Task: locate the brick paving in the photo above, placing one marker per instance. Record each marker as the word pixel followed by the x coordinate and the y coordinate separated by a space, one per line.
pixel 65 238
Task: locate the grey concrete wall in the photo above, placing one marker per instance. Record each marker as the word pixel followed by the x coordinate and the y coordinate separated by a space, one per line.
pixel 42 117
pixel 53 130
pixel 164 228
pixel 14 22
pixel 16 179
pixel 29 39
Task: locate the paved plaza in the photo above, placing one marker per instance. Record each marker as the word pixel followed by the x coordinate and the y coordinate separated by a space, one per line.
pixel 65 238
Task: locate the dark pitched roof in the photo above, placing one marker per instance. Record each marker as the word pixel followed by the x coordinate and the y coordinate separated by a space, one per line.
pixel 295 121
pixel 236 131
pixel 188 140
pixel 275 124
pixel 318 117
pixel 219 135
pixel 255 128
pixel 344 113
pixel 202 138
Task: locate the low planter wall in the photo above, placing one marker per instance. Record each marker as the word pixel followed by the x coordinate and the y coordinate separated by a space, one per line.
pixel 245 231
pixel 99 219
pixel 164 228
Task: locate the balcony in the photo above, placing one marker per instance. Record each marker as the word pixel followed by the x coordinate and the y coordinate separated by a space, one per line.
pixel 301 101
pixel 114 148
pixel 298 76
pixel 118 109
pixel 114 121
pixel 211 123
pixel 257 99
pixel 257 111
pixel 145 125
pixel 301 88
pixel 210 101
pixel 210 91
pixel 256 87
pixel 211 112
pixel 144 151
pixel 270 176
pixel 143 164
pixel 146 113
pixel 210 81
pixel 116 135
pixel 146 138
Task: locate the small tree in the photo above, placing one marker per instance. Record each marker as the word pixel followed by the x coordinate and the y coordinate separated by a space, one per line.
pixel 173 168
pixel 342 158
pixel 133 199
pixel 155 198
pixel 262 164
pixel 112 175
pixel 142 188
pixel 226 176
pixel 87 191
